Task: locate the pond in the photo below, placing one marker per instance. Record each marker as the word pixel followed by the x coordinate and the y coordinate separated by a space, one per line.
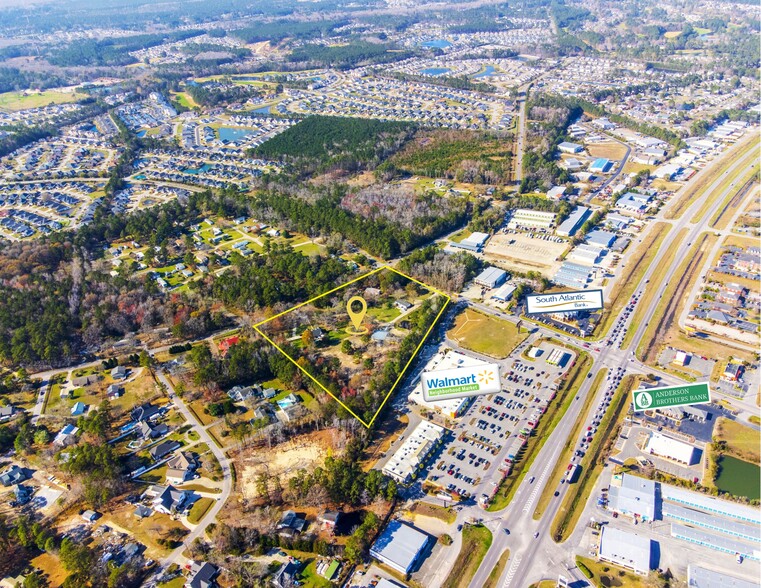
pixel 230 134
pixel 488 71
pixel 435 71
pixel 262 110
pixel 437 44
pixel 197 170
pixel 739 478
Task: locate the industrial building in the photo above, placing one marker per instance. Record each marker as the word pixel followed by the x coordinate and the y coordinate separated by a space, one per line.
pixel 698 577
pixel 601 165
pixel 475 242
pixel 532 219
pixel 627 550
pixel 617 222
pixel 574 221
pixel 399 546
pixel 572 275
pixel 710 504
pixel 601 238
pixel 504 292
pixel 664 446
pixel 491 277
pixel 634 202
pixel 413 453
pixel 587 254
pixel 633 496
pixel 716 541
pixel 567 147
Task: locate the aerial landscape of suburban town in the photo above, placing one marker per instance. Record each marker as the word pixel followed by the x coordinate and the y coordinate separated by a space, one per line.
pixel 380 293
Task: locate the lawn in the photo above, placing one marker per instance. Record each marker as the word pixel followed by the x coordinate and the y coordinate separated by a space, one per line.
pixel 178 582
pixel 742 442
pixel 486 334
pixel 383 314
pixel 615 576
pixel 147 531
pixel 50 565
pixel 199 509
pixel 476 540
pixel 20 101
pixel 494 575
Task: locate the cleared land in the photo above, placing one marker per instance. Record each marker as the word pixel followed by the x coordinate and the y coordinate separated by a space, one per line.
pixel 627 283
pixel 609 150
pixel 592 463
pixel 476 540
pixel 570 447
pixel 518 251
pixel 700 183
pixel 742 442
pixel 486 334
pixel 431 510
pixel 23 100
pixel 668 308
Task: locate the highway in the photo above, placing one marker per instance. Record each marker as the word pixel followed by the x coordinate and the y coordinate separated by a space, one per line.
pixel 533 558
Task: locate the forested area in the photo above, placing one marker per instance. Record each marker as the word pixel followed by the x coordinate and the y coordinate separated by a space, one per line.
pixel 276 31
pixel 331 143
pixel 214 94
pixel 458 82
pixel 445 271
pixel 466 156
pixel 12 78
pixel 346 56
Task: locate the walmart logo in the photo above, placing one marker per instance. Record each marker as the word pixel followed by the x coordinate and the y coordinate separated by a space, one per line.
pixel 485 377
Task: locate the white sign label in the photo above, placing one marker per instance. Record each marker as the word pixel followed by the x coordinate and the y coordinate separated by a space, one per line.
pixel 564 301
pixel 460 382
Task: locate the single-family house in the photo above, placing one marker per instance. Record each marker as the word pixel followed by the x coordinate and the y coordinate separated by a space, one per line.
pixel 202 575
pixel 14 475
pixel 167 499
pixel 148 431
pixel 329 519
pixel 119 372
pixel 403 305
pixel 79 408
pixel 66 436
pixel 180 468
pixel 164 448
pixel 90 516
pixel 291 523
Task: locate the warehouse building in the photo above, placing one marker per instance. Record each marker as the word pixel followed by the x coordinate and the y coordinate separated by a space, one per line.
pixel 572 275
pixel 696 518
pixel 409 459
pixel 627 550
pixel 601 165
pixel 574 221
pixel 698 577
pixel 587 254
pixel 566 147
pixel 672 449
pixel 634 202
pixel 475 242
pixel 504 293
pixel 399 546
pixel 491 277
pixel 617 222
pixel 699 501
pixel 633 496
pixel 601 238
pixel 525 218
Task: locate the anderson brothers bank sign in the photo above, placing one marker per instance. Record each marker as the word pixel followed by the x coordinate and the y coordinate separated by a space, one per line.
pixel 564 301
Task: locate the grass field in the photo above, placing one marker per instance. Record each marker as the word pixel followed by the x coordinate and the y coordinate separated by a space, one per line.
pixel 592 463
pixel 698 185
pixel 627 283
pixel 570 447
pixel 667 311
pixel 608 150
pixel 486 334
pixel 476 540
pixel 615 576
pixel 491 581
pixel 742 442
pixel 740 180
pixel 547 424
pixel 21 101
pixel 199 509
pixel 50 565
pixel 748 192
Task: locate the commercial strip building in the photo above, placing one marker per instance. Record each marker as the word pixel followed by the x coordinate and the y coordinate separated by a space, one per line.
pixel 407 461
pixel 632 496
pixel 574 221
pixel 627 550
pixel 451 407
pixel 491 277
pixel 670 448
pixel 525 218
pixel 716 541
pixel 399 546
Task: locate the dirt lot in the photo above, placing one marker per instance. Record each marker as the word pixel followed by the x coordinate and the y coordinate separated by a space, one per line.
pixel 284 460
pixel 525 253
pixel 609 150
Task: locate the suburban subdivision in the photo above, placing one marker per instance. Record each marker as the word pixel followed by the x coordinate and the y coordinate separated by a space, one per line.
pixel 380 293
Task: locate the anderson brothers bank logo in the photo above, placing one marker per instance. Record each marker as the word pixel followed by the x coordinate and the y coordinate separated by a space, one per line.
pixel 479 380
pixel 644 400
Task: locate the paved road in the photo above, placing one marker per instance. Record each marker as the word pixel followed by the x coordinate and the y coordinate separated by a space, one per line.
pixel 211 514
pixel 533 558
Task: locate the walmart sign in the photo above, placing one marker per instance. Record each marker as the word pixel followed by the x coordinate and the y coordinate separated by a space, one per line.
pixel 460 382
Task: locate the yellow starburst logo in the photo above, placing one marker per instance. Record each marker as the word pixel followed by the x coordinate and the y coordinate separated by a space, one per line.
pixel 485 377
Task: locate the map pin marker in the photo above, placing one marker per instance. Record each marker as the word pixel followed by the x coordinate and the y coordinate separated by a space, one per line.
pixel 356 317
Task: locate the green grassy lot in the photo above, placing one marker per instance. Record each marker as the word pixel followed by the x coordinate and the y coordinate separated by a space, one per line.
pixel 555 411
pixel 494 575
pixel 742 442
pixel 486 334
pixel 383 314
pixel 592 463
pixel 476 540
pixel 615 576
pixel 19 101
pixel 199 509
pixel 570 447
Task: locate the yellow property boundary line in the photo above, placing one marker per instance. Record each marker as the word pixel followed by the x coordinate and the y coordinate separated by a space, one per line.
pixel 447 300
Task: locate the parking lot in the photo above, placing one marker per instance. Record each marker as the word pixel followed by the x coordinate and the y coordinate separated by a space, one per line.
pixel 474 460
